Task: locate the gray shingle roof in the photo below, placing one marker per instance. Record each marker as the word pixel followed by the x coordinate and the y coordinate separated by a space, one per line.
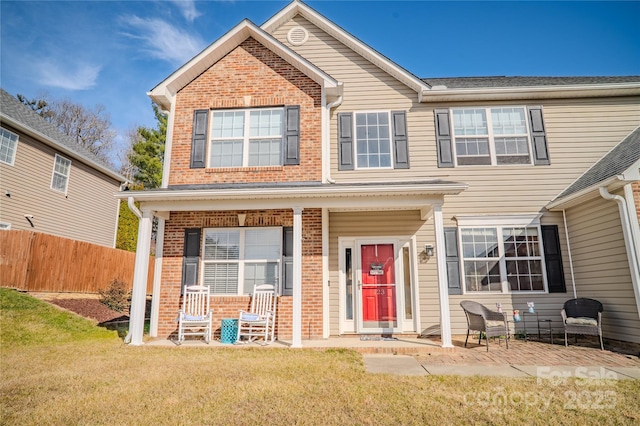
pixel 518 81
pixel 17 111
pixel 616 161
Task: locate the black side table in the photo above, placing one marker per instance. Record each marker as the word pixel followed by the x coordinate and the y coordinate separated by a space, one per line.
pixel 546 325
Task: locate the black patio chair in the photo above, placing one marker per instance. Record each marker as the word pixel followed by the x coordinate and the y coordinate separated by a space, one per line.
pixel 582 316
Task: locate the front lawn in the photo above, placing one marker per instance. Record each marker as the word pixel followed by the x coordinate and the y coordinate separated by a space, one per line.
pixel 60 369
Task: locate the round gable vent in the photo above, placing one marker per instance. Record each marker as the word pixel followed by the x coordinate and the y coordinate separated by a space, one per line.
pixel 297 36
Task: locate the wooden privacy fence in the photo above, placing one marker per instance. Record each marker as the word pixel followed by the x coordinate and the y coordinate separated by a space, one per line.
pixel 32 261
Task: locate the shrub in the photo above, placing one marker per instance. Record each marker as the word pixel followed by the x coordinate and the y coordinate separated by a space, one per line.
pixel 117 296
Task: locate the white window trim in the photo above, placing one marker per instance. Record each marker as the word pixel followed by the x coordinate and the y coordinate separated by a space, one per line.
pixel 53 173
pixel 246 139
pixel 241 260
pixel 499 223
pixel 490 136
pixel 15 148
pixel 355 139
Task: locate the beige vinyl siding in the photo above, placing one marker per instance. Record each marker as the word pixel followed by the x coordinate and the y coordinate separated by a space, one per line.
pixel 87 212
pixel 601 266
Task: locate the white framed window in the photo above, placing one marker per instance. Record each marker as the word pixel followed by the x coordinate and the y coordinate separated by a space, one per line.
pixel 8 146
pixel 502 259
pixel 245 138
pixel 236 259
pixel 373 140
pixel 61 171
pixel 491 136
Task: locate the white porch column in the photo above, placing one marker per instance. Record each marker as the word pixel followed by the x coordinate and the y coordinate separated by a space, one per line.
pixel 139 293
pixel 443 286
pixel 157 278
pixel 296 340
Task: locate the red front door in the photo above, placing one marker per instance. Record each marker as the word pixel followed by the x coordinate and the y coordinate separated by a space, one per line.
pixel 378 280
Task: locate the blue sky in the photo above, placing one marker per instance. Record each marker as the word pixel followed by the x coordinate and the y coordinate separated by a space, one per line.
pixel 113 52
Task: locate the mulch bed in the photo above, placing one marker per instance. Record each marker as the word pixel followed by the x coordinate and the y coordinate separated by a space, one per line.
pixel 93 309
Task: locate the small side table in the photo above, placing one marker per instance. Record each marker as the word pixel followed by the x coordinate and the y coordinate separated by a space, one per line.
pixel 546 325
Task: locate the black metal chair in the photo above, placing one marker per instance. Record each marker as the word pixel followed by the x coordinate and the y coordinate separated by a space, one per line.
pixel 483 320
pixel 582 316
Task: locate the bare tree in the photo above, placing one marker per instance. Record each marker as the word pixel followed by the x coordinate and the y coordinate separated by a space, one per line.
pixel 90 128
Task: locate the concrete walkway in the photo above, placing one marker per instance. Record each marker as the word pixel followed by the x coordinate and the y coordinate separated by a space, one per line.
pixel 411 366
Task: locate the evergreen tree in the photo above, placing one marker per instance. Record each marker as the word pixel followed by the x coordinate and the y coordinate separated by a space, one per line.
pixel 147 152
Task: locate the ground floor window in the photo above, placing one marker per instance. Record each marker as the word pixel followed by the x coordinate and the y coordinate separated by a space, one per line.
pixel 235 260
pixel 502 258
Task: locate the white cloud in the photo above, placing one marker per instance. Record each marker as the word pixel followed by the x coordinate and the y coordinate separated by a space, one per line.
pixel 162 40
pixel 78 76
pixel 188 9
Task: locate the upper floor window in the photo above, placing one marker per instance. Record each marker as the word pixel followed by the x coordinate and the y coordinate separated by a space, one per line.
pixel 8 145
pixel 373 143
pixel 491 136
pixel 372 140
pixel 61 170
pixel 246 137
pixel 234 260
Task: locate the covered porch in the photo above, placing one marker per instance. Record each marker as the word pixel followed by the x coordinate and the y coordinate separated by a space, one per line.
pixel 174 206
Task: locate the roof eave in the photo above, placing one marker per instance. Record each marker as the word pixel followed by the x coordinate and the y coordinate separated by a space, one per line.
pixel 61 147
pixel 295 192
pixel 579 197
pixel 532 92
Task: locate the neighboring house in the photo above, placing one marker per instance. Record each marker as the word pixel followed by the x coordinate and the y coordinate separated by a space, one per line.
pixel 50 184
pixel 376 201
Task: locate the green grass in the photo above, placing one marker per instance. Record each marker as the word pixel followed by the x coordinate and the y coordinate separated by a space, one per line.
pixel 66 371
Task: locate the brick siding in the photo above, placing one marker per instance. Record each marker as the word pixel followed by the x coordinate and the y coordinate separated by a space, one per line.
pixel 227 306
pixel 249 76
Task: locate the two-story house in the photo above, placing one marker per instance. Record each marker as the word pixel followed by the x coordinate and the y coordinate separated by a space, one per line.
pixel 376 201
pixel 49 183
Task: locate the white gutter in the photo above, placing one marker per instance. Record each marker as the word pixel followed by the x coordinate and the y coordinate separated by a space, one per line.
pixel 630 244
pixel 566 233
pixel 168 144
pixel 437 94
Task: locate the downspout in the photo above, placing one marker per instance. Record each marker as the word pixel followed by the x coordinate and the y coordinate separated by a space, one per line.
pixel 630 244
pixel 566 233
pixel 136 211
pixel 327 136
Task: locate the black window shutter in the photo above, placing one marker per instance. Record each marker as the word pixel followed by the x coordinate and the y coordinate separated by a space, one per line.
pixel 199 138
pixel 538 137
pixel 191 259
pixel 453 259
pixel 553 259
pixel 400 140
pixel 291 140
pixel 345 141
pixel 287 258
pixel 444 141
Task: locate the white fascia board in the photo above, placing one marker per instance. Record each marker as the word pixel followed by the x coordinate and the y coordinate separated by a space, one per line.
pixel 533 92
pixel 348 40
pixel 583 195
pixel 62 148
pixel 164 92
pixel 282 193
